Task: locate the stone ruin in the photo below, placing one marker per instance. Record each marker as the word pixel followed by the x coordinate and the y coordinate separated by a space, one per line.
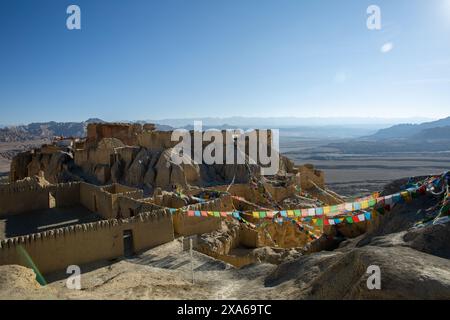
pixel 123 174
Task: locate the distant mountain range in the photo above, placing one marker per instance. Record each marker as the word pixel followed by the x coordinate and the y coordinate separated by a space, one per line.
pixel 44 130
pixel 425 137
pixel 409 130
pixel 47 130
pixel 283 122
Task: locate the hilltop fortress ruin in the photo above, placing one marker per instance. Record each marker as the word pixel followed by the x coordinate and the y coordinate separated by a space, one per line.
pixel 113 194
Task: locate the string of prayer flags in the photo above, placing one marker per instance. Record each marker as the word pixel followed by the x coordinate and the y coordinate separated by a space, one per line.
pixel 360 210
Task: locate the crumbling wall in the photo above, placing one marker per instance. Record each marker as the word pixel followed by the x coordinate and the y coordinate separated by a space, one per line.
pixel 310 176
pixel 66 194
pixel 156 140
pixel 184 225
pixel 280 193
pixel 19 166
pixel 187 226
pixel 242 190
pixel 249 237
pixel 104 200
pixel 125 132
pixel 16 199
pixel 29 195
pixel 57 249
pixel 129 207
pixel 97 200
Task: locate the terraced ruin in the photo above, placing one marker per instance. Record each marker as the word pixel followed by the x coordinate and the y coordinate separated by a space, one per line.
pixel 116 197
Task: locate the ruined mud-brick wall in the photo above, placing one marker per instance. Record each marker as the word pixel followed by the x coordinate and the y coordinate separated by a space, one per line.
pixel 184 225
pixel 242 190
pixel 125 132
pixel 146 135
pixel 50 159
pixel 128 207
pixel 23 196
pixel 55 250
pixel 104 200
pixel 309 175
pixel 156 140
pixel 280 193
pixel 284 235
pixel 254 195
pixel 19 166
pixel 169 200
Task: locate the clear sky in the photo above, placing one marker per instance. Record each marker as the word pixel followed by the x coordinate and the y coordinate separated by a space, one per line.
pixel 148 59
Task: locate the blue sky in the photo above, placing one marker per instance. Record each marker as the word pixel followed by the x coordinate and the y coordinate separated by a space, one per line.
pixel 147 59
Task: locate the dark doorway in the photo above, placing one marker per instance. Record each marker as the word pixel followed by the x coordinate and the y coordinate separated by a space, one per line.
pixel 95 204
pixel 128 248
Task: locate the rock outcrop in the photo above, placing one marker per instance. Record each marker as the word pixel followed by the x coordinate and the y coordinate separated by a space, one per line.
pixel 137 155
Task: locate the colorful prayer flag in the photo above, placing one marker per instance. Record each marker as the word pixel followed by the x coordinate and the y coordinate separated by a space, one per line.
pixel 365 204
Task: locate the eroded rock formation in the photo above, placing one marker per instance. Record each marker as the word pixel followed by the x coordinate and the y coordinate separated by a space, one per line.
pixel 137 155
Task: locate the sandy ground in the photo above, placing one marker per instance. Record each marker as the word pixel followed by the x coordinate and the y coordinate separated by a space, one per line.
pixel 160 273
pixel 414 262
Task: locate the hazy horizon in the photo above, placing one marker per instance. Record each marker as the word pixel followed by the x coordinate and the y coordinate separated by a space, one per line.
pixel 241 120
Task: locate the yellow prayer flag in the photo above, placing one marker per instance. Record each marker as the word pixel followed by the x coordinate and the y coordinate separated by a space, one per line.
pixel 365 204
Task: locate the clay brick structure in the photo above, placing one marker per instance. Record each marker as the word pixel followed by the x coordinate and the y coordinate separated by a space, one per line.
pixel 52 250
pixel 118 212
pixel 113 194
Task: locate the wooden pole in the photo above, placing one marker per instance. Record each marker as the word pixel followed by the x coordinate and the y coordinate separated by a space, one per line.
pixel 192 258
